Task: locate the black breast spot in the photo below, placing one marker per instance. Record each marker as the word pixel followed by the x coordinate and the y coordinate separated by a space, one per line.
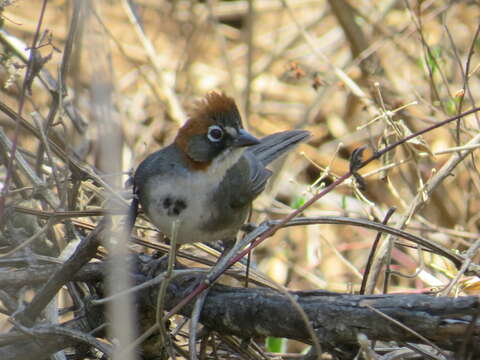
pixel 178 207
pixel 174 207
pixel 167 202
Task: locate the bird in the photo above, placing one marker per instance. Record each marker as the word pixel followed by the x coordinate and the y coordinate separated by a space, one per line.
pixel 200 188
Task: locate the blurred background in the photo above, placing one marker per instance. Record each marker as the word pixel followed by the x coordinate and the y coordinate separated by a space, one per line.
pixel 354 73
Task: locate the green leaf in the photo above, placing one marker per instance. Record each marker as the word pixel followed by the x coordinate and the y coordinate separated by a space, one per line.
pixel 433 58
pixel 298 202
pixel 451 107
pixel 276 345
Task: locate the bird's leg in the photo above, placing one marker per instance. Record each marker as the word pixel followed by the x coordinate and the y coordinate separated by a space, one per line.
pixel 248 227
pixel 227 245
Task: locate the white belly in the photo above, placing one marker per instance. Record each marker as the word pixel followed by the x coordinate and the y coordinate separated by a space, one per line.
pixel 195 190
pixel 185 223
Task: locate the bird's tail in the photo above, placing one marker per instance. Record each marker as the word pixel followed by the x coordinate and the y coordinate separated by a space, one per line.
pixel 273 146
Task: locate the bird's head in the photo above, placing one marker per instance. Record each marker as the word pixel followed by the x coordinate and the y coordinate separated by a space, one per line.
pixel 214 133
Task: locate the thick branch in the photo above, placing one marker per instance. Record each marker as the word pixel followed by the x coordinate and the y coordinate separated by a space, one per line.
pixel 35 348
pixel 85 251
pixel 336 318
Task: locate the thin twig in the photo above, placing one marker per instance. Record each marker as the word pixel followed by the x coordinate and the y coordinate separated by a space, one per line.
pixel 18 114
pixel 372 251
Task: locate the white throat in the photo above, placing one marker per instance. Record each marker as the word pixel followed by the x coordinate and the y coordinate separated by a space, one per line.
pixel 220 165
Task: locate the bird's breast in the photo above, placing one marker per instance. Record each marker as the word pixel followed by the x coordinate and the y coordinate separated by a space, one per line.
pixel 189 209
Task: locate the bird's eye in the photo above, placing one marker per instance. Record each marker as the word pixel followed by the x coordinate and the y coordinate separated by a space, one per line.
pixel 215 133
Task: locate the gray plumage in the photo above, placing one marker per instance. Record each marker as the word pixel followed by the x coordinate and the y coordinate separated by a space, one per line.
pixel 210 210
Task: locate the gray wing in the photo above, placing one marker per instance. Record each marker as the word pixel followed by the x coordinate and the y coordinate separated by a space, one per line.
pixel 249 177
pixel 273 146
pixel 243 182
pixel 259 175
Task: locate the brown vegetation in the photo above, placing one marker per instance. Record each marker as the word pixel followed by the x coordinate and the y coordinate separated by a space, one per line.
pixel 109 82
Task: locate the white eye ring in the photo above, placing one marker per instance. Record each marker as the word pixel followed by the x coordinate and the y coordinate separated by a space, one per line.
pixel 215 133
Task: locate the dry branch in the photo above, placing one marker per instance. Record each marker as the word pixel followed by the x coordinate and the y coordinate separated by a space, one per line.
pixel 338 319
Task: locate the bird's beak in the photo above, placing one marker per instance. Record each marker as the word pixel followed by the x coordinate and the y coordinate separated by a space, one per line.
pixel 244 138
